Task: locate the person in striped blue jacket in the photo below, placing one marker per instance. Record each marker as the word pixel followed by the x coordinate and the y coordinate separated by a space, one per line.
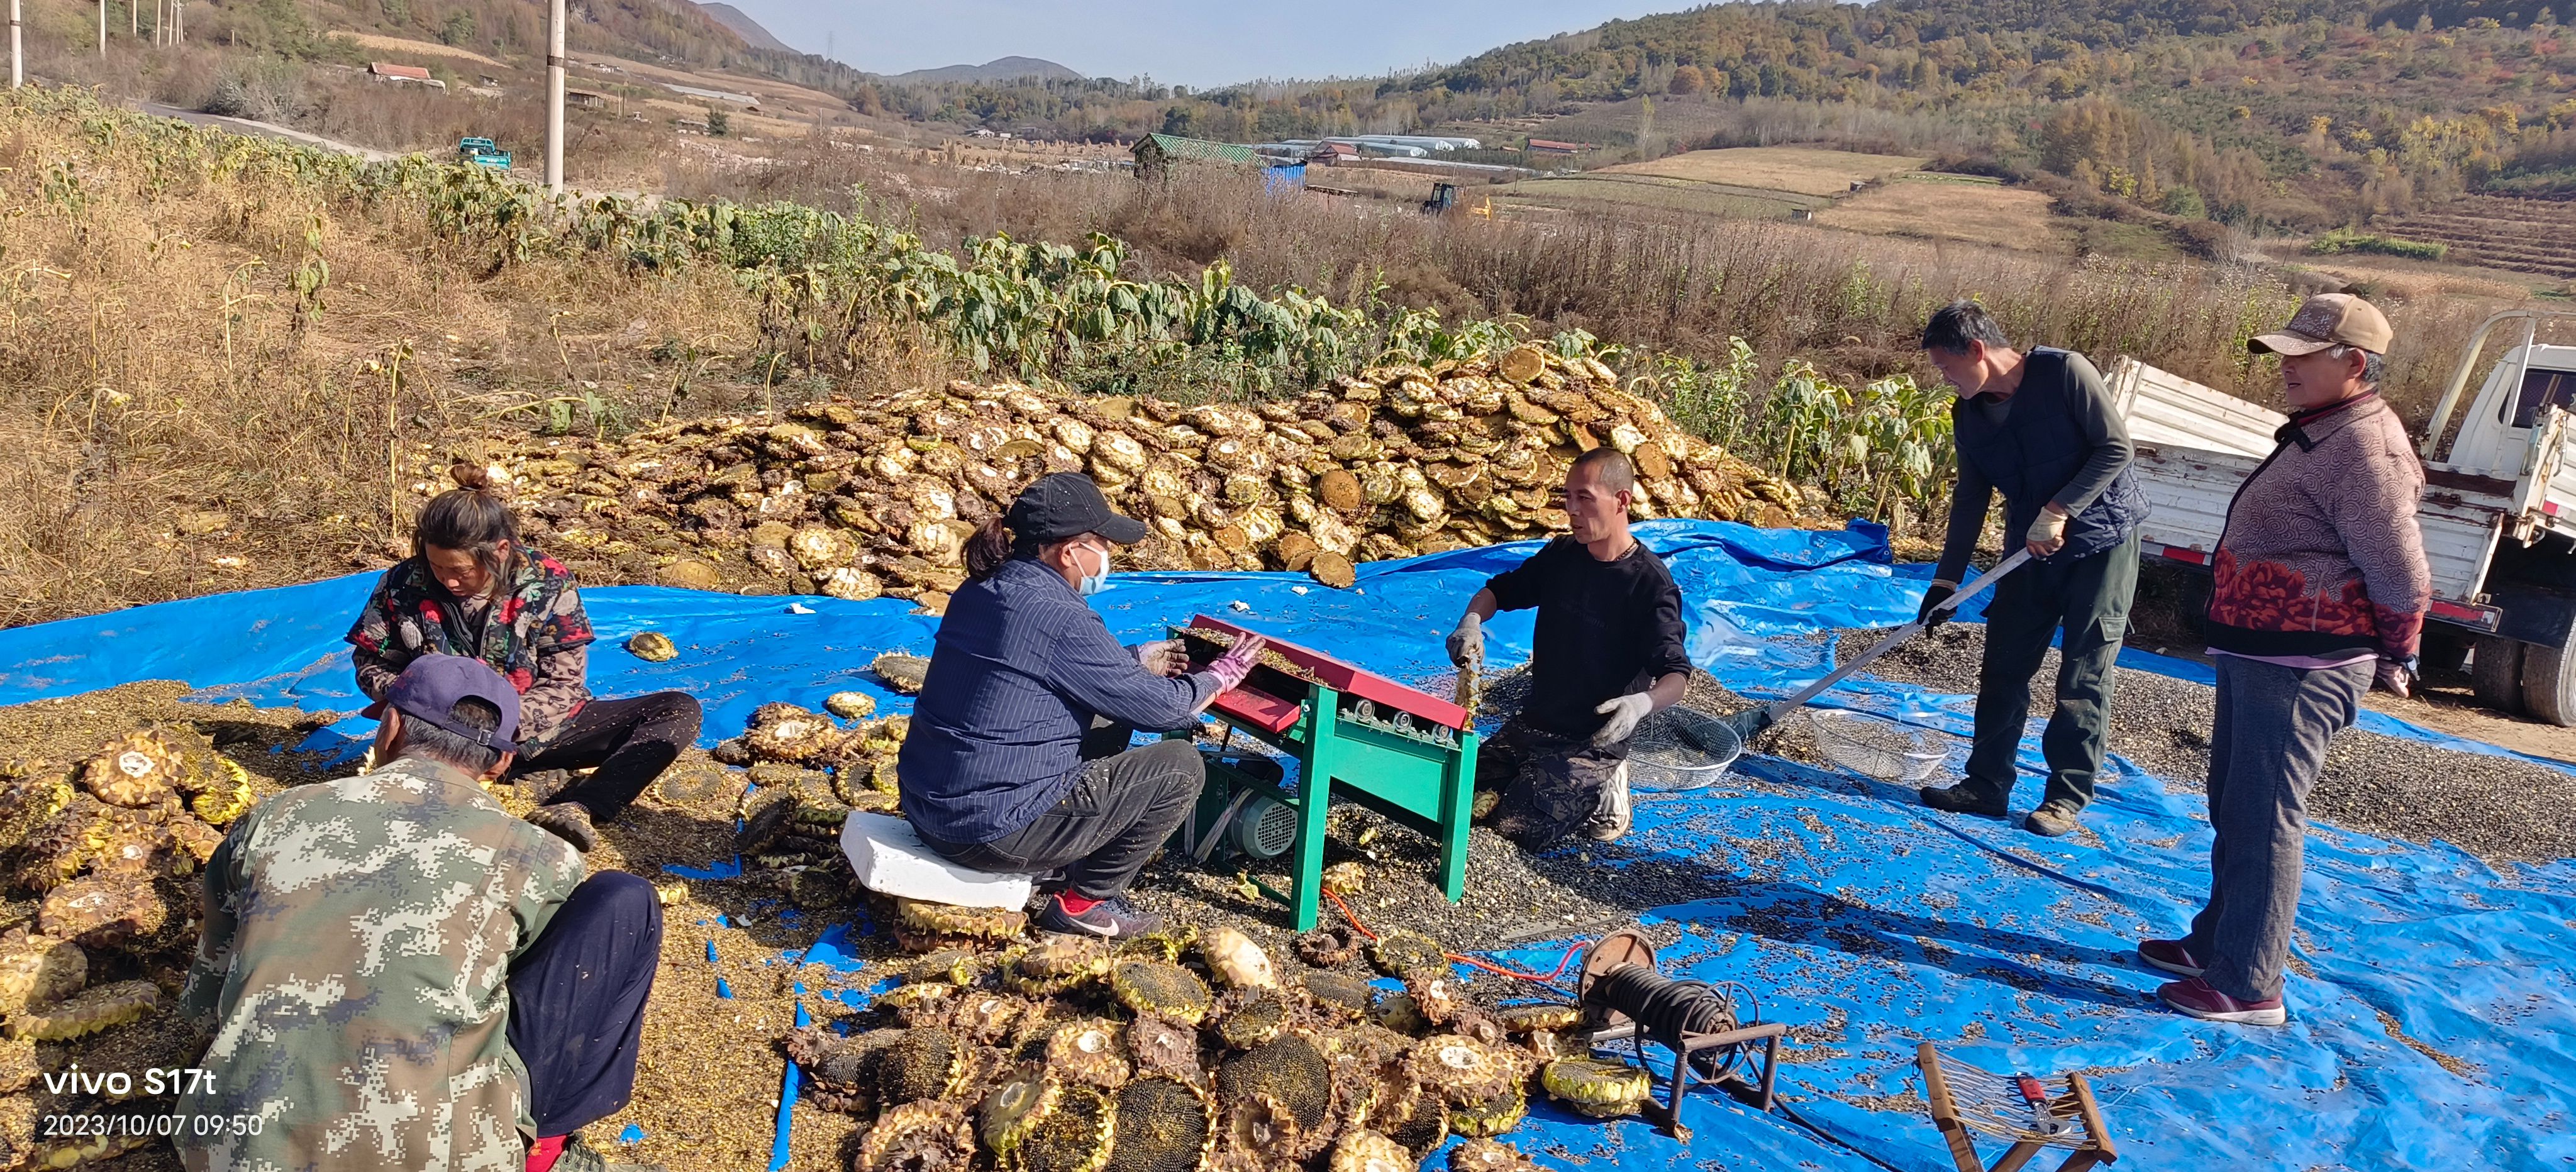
pixel 1014 763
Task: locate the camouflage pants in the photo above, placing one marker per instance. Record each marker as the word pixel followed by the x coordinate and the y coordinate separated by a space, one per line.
pixel 1550 785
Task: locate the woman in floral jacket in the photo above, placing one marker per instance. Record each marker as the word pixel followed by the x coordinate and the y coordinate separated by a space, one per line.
pixel 2320 592
pixel 472 587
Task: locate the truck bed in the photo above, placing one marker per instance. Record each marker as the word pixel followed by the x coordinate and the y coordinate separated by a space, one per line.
pixel 2188 492
pixel 2168 410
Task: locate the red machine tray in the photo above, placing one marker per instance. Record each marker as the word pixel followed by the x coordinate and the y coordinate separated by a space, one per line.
pixel 1335 674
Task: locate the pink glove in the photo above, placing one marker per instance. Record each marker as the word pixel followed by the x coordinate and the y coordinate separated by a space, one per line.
pixel 1230 668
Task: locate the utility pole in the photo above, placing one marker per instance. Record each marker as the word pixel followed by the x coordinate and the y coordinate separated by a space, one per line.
pixel 102 30
pixel 554 97
pixel 17 50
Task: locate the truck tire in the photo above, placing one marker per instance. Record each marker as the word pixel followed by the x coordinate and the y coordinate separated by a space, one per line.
pixel 2495 674
pixel 2549 684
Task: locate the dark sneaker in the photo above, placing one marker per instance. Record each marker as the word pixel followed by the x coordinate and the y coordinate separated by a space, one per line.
pixel 2053 819
pixel 2170 956
pixel 1966 799
pixel 1616 812
pixel 2195 998
pixel 570 821
pixel 579 1156
pixel 1109 919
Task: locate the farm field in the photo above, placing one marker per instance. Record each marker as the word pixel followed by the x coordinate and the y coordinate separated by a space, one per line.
pixel 2499 232
pixel 1597 188
pixel 1405 186
pixel 384 44
pixel 1950 208
pixel 1791 182
pixel 1791 170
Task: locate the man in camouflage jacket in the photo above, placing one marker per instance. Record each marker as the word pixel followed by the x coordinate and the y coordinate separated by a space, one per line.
pixel 380 953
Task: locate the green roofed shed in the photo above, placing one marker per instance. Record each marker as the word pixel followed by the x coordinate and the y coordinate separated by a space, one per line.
pixel 1157 151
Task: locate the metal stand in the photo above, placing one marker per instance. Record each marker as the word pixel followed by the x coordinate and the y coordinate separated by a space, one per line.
pixel 1715 1058
pixel 1686 1048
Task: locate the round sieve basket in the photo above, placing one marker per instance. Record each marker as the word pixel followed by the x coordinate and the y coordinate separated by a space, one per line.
pixel 1880 748
pixel 1679 749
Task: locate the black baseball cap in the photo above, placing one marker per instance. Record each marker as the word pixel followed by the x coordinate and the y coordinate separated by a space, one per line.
pixel 1068 504
pixel 429 689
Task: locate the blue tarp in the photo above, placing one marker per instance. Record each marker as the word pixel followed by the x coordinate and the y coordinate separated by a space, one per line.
pixel 2431 1022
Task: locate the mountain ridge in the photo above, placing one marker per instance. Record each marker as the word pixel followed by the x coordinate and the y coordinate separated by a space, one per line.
pixel 995 71
pixel 752 32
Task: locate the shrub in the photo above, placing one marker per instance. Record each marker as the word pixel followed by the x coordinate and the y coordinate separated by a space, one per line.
pixel 2350 240
pixel 2206 239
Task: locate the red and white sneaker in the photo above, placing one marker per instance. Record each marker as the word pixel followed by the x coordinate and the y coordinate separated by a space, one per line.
pixel 2195 998
pixel 2170 956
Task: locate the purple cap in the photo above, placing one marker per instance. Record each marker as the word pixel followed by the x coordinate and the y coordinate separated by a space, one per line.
pixel 429 689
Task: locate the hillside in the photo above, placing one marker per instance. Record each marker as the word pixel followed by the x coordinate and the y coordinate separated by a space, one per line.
pixel 281 43
pixel 742 25
pixel 997 71
pixel 2297 115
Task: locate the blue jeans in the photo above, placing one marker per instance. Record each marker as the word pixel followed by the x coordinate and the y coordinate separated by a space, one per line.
pixel 2264 750
pixel 577 1001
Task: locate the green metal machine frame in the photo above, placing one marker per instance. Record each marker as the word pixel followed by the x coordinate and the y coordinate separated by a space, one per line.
pixel 1420 773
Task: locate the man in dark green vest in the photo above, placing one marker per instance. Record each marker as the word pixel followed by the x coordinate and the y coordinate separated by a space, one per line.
pixel 2039 428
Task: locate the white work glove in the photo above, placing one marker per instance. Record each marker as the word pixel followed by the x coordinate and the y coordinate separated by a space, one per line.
pixel 1624 713
pixel 2392 676
pixel 1467 643
pixel 2047 532
pixel 1162 657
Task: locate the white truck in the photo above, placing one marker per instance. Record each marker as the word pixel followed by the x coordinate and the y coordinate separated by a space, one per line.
pixel 2498 514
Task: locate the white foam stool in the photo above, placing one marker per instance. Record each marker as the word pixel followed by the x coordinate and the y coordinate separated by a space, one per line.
pixel 890 859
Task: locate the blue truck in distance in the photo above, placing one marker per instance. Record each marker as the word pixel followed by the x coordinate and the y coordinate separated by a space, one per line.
pixel 482 152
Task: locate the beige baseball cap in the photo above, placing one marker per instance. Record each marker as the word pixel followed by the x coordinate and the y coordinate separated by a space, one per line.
pixel 2328 319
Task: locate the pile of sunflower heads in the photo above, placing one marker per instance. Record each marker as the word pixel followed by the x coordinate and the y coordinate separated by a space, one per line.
pixel 858 499
pixel 108 848
pixel 1189 1051
pixel 807 772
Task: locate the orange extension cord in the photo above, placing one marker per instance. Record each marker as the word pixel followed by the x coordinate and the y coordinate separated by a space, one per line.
pixel 1472 962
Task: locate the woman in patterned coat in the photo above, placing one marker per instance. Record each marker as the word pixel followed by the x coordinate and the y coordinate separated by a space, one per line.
pixel 474 587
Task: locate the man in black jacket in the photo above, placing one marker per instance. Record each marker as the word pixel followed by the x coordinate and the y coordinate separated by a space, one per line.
pixel 1606 653
pixel 2040 429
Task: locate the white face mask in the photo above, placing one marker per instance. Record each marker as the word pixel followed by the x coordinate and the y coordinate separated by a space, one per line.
pixel 1092 583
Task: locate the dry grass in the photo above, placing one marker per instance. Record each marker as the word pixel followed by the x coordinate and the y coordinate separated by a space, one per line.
pixel 1610 195
pixel 1799 170
pixel 1946 209
pixel 157 378
pixel 1401 186
pixel 385 44
pixel 769 90
pixel 2408 280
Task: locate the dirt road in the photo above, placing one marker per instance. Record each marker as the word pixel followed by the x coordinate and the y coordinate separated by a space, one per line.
pixel 290 134
pixel 264 130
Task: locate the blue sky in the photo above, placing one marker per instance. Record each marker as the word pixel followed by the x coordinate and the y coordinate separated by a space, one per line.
pixel 1191 42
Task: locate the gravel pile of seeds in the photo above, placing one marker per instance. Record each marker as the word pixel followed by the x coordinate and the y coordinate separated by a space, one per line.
pixel 2502 809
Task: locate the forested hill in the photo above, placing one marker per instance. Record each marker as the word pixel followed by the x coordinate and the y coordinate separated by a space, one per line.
pixel 2299 113
pixel 514 31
